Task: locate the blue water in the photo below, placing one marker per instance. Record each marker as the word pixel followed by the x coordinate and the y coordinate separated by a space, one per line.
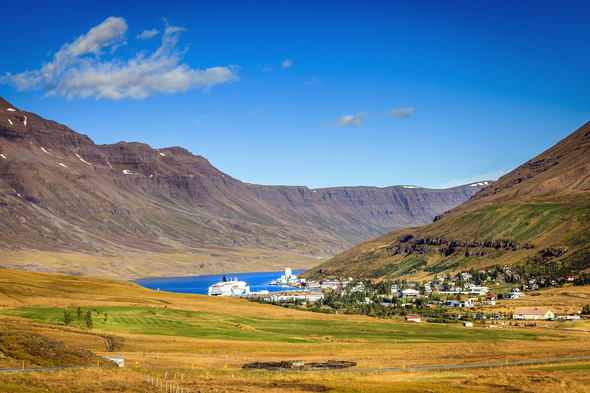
pixel 200 284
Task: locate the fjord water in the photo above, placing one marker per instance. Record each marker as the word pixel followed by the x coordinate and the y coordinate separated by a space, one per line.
pixel 200 284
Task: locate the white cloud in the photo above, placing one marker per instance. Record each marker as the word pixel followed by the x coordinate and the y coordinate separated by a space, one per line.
pixel 313 82
pixel 356 120
pixel 473 179
pixel 147 34
pixel 350 121
pixel 78 71
pixel 268 68
pixel 114 47
pixel 404 112
pixel 287 63
pixel 108 32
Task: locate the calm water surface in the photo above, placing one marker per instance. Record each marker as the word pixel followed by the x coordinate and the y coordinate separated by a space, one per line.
pixel 200 284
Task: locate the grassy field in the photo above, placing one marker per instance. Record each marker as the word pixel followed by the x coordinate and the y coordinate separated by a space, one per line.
pixel 165 322
pixel 210 339
pixel 557 378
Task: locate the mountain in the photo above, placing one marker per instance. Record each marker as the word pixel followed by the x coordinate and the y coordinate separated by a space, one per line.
pixel 537 216
pixel 125 209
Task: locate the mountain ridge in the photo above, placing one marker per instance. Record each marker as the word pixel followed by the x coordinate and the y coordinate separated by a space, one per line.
pixel 60 192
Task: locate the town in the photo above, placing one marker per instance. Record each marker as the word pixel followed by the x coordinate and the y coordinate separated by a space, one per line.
pixel 480 296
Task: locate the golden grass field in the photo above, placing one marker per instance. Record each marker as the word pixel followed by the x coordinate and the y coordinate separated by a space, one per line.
pixel 203 360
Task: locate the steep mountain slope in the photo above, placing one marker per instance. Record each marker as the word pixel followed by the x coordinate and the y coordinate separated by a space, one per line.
pixel 59 192
pixel 537 215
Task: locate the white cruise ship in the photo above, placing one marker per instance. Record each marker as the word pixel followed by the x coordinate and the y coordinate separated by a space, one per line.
pixel 233 287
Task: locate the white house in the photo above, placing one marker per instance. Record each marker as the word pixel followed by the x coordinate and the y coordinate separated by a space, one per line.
pixel 314 297
pixel 478 290
pixel 409 294
pixel 330 284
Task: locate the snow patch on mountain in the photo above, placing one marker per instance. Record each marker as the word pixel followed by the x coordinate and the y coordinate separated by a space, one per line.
pixel 83 160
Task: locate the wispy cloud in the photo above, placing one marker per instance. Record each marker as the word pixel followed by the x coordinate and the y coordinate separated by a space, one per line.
pixel 313 82
pixel 349 120
pixel 404 112
pixel 356 120
pixel 268 68
pixel 114 47
pixel 473 179
pixel 78 71
pixel 286 64
pixel 147 34
pixel 256 111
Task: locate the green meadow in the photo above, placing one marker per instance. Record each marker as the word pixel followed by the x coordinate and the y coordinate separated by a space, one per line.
pixel 205 325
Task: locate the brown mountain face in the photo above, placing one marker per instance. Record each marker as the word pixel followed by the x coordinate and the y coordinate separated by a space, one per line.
pixel 126 209
pixel 537 216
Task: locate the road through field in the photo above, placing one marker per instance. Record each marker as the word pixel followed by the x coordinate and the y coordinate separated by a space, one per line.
pixel 453 367
pixel 425 368
pixel 29 369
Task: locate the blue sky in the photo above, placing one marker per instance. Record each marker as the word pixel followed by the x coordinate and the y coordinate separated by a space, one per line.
pixel 321 94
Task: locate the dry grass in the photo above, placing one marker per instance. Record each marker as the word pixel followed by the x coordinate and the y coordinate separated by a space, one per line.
pixel 92 380
pixel 522 379
pixel 204 360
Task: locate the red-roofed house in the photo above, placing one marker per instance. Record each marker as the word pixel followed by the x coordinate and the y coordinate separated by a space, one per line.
pixel 413 318
pixel 533 314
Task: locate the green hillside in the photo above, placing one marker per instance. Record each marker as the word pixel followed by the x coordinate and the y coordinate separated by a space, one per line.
pixel 536 216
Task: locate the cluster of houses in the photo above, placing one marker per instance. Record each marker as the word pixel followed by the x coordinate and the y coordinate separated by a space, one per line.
pixel 514 293
pixel 314 291
pixel 510 272
pixel 524 315
pixel 460 287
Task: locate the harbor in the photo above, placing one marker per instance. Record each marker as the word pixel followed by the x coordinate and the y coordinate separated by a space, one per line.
pixel 288 279
pixel 258 282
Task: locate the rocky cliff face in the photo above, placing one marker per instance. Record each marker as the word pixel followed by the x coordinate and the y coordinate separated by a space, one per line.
pixel 365 211
pixel 61 192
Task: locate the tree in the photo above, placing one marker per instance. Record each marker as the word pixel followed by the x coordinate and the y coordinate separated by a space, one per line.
pixel 89 319
pixel 105 318
pixel 79 313
pixel 67 317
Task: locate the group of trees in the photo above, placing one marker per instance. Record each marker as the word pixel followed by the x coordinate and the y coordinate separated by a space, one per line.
pixel 84 318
